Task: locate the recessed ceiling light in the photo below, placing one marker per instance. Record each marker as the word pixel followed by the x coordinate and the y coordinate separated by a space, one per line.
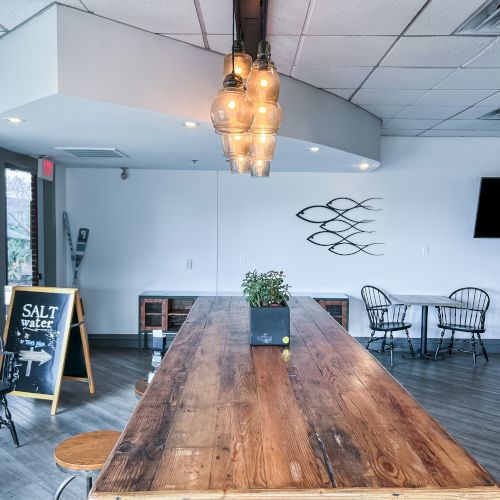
pixel 14 119
pixel 314 149
pixel 364 166
pixel 191 124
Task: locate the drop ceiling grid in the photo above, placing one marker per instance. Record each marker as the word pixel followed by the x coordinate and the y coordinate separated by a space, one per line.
pixel 422 59
pixel 395 58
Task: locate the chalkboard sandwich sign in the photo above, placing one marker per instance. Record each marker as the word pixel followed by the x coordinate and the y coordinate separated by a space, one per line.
pixel 45 328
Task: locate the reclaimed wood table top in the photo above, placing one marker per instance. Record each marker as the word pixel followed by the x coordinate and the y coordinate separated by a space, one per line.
pixel 223 420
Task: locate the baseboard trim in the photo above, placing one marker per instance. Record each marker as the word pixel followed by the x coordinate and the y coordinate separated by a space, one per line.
pixel 130 341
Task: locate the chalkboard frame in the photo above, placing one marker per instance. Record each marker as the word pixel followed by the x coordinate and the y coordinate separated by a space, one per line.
pixel 75 310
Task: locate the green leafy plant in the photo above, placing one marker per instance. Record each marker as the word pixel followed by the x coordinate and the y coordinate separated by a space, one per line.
pixel 266 289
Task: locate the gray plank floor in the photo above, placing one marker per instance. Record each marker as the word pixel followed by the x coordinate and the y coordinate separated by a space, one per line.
pixel 465 400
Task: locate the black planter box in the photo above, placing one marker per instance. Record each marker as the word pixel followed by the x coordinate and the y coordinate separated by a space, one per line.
pixel 269 326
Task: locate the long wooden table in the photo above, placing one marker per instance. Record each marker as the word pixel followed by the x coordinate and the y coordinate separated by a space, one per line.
pixel 224 420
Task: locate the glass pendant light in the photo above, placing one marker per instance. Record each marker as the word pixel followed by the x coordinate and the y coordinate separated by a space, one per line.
pixel 263 82
pixel 263 146
pixel 236 144
pixel 232 111
pixel 267 117
pixel 240 164
pixel 242 61
pixel 260 168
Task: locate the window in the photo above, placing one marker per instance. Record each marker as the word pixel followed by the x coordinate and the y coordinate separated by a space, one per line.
pixel 22 227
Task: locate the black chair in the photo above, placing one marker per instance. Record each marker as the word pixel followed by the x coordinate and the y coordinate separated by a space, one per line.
pixel 469 319
pixel 384 316
pixel 8 378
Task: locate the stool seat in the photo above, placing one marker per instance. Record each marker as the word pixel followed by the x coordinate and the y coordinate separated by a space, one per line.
pixel 85 452
pixel 140 387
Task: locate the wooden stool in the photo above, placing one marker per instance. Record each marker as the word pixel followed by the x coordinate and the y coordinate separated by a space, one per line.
pixel 84 455
pixel 140 387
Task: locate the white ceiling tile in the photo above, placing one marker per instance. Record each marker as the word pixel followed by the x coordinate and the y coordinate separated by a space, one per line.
pixel 284 70
pixel 406 78
pixel 400 132
pixel 474 112
pixel 387 97
pixel 488 58
pixel 174 16
pixel 466 125
pixel 494 100
pixel 217 16
pixel 283 48
pixel 343 50
pixel 384 111
pixel 409 124
pixel 14 12
pixel 453 97
pixel 191 39
pixel 220 43
pixel 430 112
pixel 435 51
pixel 361 17
pixel 461 133
pixel 331 77
pixel 344 93
pixel 443 17
pixel 286 17
pixel 484 78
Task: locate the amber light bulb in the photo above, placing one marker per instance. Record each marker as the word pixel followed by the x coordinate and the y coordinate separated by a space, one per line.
pixel 267 117
pixel 263 146
pixel 263 83
pixel 236 144
pixel 242 61
pixel 232 110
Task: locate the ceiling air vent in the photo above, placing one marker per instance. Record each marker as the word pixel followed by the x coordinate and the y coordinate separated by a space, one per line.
pixel 485 21
pixel 93 152
pixel 492 115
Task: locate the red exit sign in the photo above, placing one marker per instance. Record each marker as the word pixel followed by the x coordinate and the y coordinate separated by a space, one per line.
pixel 46 169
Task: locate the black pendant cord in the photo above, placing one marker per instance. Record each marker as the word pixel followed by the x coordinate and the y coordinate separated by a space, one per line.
pixel 234 22
pixel 237 20
pixel 263 19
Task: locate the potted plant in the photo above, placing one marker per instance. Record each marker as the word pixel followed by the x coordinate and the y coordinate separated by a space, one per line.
pixel 267 294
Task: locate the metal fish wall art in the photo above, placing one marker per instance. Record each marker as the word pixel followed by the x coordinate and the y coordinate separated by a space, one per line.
pixel 342 225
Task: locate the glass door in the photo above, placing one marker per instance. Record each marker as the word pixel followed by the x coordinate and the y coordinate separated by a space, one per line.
pixel 22 228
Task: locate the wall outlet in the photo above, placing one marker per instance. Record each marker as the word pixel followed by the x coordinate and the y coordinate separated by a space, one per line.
pixel 189 263
pixel 425 249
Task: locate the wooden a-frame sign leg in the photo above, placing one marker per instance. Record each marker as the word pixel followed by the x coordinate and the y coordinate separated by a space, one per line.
pixel 76 354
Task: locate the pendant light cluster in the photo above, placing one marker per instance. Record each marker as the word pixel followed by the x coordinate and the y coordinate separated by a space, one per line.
pixel 246 112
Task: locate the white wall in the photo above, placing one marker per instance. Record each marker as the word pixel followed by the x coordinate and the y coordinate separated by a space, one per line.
pixel 143 229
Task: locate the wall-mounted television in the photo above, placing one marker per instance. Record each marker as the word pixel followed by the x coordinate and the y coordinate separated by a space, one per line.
pixel 488 209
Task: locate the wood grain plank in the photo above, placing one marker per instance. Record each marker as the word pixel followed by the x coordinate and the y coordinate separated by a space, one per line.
pixel 226 420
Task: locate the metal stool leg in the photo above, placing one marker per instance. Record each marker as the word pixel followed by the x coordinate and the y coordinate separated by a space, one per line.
pixel 9 422
pixel 62 486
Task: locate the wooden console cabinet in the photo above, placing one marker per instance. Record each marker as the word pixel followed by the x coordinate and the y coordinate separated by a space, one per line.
pixel 338 308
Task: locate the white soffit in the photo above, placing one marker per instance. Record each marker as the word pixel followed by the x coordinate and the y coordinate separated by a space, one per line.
pixel 148 75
